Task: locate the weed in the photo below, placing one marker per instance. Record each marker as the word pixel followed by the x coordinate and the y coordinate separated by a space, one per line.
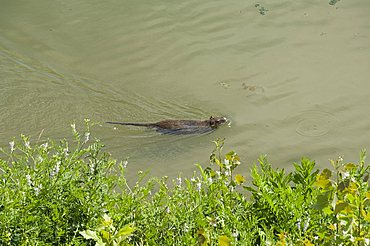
pixel 76 194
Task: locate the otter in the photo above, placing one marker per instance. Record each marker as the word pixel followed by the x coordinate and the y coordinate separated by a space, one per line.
pixel 178 127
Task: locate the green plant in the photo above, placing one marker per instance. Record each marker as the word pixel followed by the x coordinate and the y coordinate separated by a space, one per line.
pixel 284 210
pixel 73 193
pixel 345 199
pixel 107 234
pixel 51 191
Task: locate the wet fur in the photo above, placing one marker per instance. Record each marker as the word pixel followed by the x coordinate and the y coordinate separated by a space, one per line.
pixel 178 127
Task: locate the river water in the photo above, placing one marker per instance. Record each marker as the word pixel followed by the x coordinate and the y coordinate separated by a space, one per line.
pixel 292 76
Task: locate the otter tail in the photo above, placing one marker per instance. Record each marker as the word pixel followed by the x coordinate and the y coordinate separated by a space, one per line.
pixel 130 124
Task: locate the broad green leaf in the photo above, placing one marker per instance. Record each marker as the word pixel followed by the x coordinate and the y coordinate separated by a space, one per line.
pixel 322 180
pixel 230 155
pixel 282 241
pixel 107 220
pixel 320 234
pixel 343 185
pixel 363 213
pixel 348 210
pixel 202 237
pixel 106 235
pixel 353 186
pixel 350 197
pixel 327 211
pixel 340 206
pixel 223 240
pixel 327 173
pixel 332 227
pixel 366 178
pixel 89 234
pixel 126 231
pixel 322 183
pixel 200 231
pixel 367 216
pixel 100 243
pixel 349 166
pixel 368 194
pixel 308 243
pixel 217 161
pixel 239 179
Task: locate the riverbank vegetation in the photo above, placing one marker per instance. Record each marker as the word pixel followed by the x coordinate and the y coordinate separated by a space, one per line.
pixel 73 193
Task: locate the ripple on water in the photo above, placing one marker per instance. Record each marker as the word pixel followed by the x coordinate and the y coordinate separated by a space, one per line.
pixel 315 123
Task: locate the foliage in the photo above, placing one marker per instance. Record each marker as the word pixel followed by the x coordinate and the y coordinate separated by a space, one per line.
pixel 345 200
pixel 283 209
pixel 75 194
pixel 107 234
pixel 51 191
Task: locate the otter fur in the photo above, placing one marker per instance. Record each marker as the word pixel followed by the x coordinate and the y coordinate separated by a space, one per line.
pixel 181 126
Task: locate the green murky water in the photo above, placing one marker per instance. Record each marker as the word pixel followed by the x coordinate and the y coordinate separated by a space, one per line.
pixel 294 81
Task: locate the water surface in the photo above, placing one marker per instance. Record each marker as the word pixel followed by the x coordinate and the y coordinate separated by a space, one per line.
pixel 294 81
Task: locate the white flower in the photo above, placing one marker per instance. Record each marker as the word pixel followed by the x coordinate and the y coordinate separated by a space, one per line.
pixel 87 136
pixel 11 146
pixel 218 173
pixel 345 175
pixel 235 235
pixel 65 150
pixel 125 163
pixel 44 146
pixel 226 162
pixel 186 228
pixel 37 189
pixel 306 224
pixel 27 144
pixel 367 241
pixel 92 168
pixel 340 158
pixel 56 170
pixel 213 222
pixel 73 125
pixel 57 167
pixel 199 186
pixel 227 165
pixel 179 181
pixel 227 173
pixel 299 224
pixel 192 179
pixel 168 210
pixel 351 238
pixel 210 180
pixel 29 181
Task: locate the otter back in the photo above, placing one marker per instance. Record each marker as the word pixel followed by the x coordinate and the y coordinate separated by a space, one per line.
pixel 179 127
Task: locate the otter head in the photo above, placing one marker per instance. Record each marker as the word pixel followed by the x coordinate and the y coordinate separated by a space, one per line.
pixel 215 122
